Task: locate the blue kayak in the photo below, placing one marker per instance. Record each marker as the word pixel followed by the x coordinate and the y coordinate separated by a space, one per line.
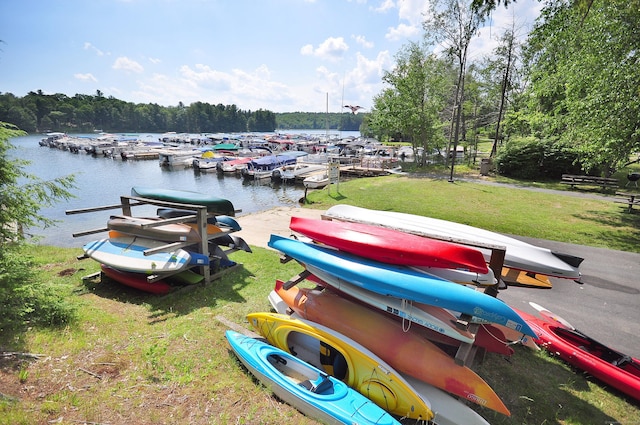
pixel 213 203
pixel 401 282
pixel 305 387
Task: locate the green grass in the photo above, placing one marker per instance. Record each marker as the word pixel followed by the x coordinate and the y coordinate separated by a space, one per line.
pixel 143 359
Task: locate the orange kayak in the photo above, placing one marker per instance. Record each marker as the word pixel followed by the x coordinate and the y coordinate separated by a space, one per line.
pixel 386 338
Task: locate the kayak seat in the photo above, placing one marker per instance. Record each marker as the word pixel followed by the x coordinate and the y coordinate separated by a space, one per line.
pixel 621 361
pixel 333 361
pixel 321 385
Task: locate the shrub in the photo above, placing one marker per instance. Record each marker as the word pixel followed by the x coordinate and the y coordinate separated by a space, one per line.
pixel 24 298
pixel 537 159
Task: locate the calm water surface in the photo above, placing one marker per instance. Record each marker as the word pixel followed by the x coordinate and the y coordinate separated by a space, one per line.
pixel 101 181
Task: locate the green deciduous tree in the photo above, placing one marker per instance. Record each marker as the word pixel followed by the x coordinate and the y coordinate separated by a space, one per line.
pixel 585 80
pixel 418 88
pixel 452 24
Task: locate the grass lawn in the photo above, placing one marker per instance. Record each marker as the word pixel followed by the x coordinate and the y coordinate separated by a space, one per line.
pixel 133 358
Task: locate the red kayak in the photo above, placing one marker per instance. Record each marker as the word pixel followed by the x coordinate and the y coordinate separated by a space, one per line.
pixel 136 280
pixel 390 246
pixel 615 369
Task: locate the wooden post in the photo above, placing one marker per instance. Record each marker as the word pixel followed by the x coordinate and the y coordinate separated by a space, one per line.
pixel 496 262
pixel 201 220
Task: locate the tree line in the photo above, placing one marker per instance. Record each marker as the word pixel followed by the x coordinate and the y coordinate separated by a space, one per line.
pixel 81 113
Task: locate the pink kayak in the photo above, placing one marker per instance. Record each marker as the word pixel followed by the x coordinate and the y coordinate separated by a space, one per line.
pixel 390 246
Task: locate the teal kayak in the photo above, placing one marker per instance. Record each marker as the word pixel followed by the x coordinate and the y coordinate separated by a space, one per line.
pixel 213 203
pixel 305 387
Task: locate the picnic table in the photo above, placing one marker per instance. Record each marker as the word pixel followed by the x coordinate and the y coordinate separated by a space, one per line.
pixel 628 198
pixel 603 182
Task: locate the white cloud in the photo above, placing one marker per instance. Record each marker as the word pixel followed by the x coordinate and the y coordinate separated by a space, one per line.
pixel 89 46
pixel 126 64
pixel 85 77
pixel 155 61
pixel 362 40
pixel 365 80
pixel 385 6
pixel 333 48
pixel 413 11
pixel 410 15
pixel 403 32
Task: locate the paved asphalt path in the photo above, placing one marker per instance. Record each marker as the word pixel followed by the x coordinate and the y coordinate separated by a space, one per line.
pixel 605 305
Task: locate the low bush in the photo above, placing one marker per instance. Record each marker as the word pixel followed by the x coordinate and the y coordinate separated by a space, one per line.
pixel 532 159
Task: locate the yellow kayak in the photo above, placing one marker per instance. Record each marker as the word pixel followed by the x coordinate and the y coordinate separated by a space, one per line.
pixel 344 359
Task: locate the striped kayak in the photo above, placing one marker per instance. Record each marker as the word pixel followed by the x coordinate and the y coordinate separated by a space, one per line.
pixel 213 203
pixel 385 337
pixel 400 282
pixel 305 387
pixel 344 359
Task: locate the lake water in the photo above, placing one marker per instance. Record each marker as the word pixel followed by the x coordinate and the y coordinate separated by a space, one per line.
pixel 101 181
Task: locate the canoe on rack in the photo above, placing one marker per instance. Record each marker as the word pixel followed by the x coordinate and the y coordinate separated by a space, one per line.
pixel 519 255
pixel 399 281
pixel 390 246
pixel 147 228
pixel 136 280
pixel 213 203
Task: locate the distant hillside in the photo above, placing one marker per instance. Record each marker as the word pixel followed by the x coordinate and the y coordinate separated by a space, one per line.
pixel 318 121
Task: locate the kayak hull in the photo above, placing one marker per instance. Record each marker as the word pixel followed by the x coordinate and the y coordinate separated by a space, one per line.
pixel 519 255
pixel 390 246
pixel 400 282
pixel 127 254
pixel 213 203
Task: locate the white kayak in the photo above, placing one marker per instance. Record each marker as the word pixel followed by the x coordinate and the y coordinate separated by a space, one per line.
pixel 128 254
pixel 519 255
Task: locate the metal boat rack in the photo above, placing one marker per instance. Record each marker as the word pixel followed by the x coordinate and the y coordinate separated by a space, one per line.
pixel 199 213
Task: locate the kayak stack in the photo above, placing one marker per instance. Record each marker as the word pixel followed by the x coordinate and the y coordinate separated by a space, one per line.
pixel 187 241
pixel 396 306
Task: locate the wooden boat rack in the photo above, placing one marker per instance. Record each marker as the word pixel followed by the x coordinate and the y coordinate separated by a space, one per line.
pixel 200 214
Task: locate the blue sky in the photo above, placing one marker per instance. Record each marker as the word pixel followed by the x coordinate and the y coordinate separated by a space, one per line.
pixel 280 55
